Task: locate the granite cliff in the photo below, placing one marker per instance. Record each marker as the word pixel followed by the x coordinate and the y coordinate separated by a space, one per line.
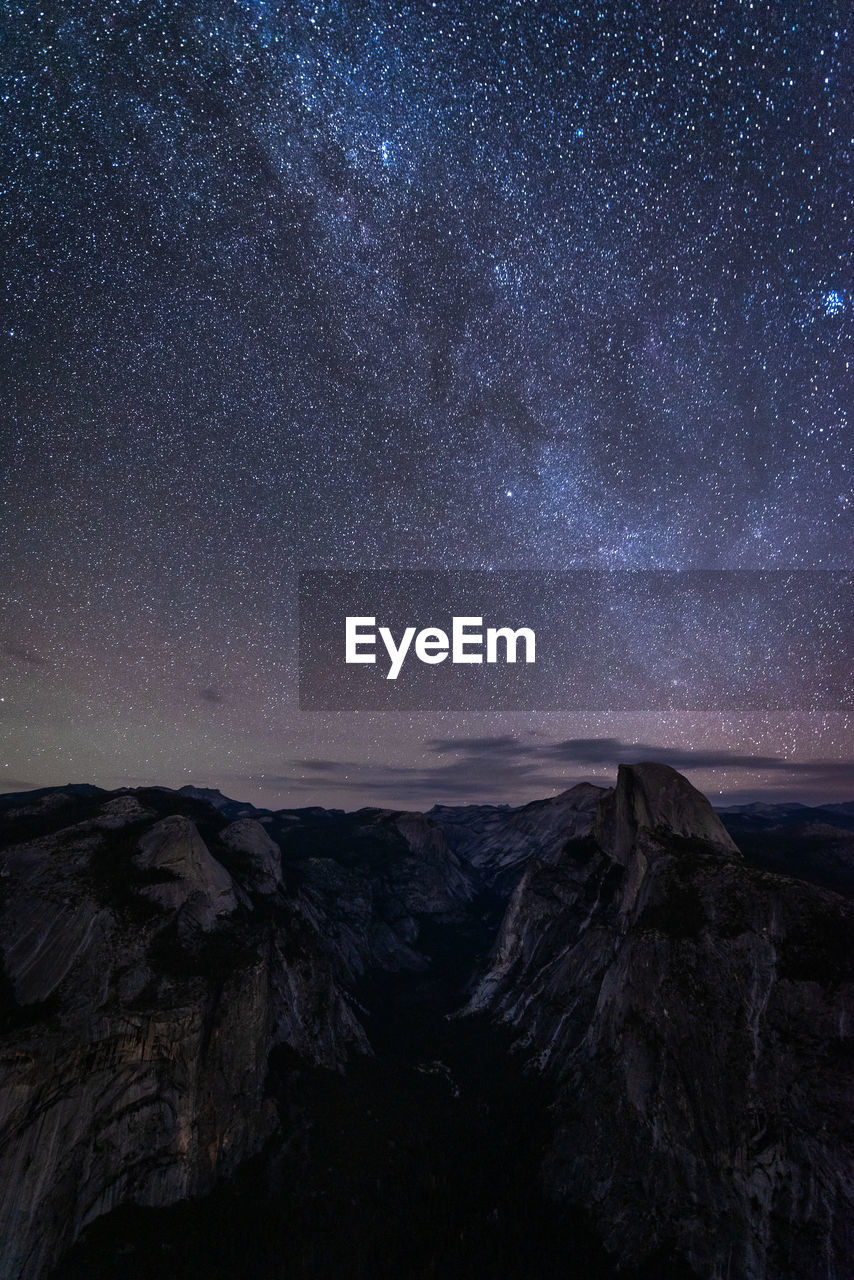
pixel 152 959
pixel 643 1037
pixel 696 1016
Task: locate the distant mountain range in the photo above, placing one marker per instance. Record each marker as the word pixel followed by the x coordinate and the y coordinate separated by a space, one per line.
pixel 605 1033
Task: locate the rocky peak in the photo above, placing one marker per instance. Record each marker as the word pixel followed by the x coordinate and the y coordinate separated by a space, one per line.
pixel 651 798
pixel 192 876
pixel 584 795
pixel 120 811
pixel 499 841
pixel 263 872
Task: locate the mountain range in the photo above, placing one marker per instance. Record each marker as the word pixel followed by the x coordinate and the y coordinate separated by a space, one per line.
pixel 609 1033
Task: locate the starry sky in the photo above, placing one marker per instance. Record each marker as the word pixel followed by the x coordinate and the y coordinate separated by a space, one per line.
pixel 416 285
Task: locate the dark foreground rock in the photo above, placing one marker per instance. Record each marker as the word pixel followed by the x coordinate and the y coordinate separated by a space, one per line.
pixel 152 961
pixel 577 1038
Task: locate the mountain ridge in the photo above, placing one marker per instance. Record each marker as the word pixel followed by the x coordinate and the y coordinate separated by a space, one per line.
pixel 162 950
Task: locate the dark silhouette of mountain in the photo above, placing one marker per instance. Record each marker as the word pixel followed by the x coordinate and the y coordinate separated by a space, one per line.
pixel 846 808
pixel 812 843
pixel 13 799
pixel 604 1033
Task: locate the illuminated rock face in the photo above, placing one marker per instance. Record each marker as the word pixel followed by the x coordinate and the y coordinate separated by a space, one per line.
pixel 690 1013
pixel 190 879
pixel 697 1019
pixel 652 798
pixel 262 869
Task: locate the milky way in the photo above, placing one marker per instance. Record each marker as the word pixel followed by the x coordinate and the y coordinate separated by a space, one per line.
pixel 418 285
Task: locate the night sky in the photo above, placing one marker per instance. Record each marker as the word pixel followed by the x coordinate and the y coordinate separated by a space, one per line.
pixel 407 286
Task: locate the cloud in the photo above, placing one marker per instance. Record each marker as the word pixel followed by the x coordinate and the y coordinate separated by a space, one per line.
pixel 375 783
pixel 210 695
pixel 504 767
pixel 23 653
pixel 602 751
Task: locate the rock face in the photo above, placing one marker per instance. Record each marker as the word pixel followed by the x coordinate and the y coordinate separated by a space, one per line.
pixel 263 857
pixel 141 998
pixel 387 873
pixel 696 1017
pixel 687 1011
pixel 650 800
pixel 191 882
pixel 498 841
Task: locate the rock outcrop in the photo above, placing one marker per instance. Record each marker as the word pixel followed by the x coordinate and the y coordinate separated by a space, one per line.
pixel 140 1005
pixel 652 800
pixel 696 1017
pixel 188 879
pixel 262 865
pixel 386 873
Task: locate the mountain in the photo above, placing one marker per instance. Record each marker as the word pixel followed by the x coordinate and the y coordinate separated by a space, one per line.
pixel 589 1034
pixel 497 840
pixel 10 800
pixel 231 808
pixel 815 843
pixel 762 809
pixel 760 816
pixel 846 808
pixel 145 982
pixel 694 1014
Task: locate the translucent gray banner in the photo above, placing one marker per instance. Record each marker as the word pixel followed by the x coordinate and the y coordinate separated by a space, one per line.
pixel 697 640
